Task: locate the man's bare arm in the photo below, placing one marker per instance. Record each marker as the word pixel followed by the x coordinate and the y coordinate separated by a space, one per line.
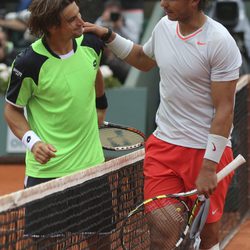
pixel 16 120
pixel 100 91
pixel 13 24
pixel 223 94
pixel 18 124
pixel 136 57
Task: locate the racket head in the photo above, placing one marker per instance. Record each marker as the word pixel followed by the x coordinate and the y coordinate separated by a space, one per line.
pixel 119 138
pixel 163 219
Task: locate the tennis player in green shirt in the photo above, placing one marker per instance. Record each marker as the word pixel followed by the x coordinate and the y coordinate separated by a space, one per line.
pixel 58 80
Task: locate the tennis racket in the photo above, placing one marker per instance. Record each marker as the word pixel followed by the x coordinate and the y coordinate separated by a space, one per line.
pixel 165 219
pixel 117 137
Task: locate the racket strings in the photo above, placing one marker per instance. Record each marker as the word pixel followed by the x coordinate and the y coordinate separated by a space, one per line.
pixel 114 137
pixel 135 233
pixel 159 229
pixel 167 224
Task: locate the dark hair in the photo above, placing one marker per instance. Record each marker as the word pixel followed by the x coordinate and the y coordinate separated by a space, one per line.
pixel 202 4
pixel 46 14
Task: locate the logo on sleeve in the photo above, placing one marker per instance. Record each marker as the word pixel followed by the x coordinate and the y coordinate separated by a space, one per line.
pixel 94 63
pixel 28 139
pixel 17 72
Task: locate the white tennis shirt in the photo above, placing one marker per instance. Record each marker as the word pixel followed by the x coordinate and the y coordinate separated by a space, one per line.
pixel 187 66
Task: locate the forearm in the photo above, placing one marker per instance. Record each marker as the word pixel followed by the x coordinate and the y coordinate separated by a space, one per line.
pixel 122 48
pixel 223 95
pixel 99 84
pixel 217 141
pixel 13 24
pixel 222 122
pixel 101 100
pixel 218 137
pixel 131 53
pixel 16 120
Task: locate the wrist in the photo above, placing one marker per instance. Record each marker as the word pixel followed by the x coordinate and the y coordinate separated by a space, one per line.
pixel 216 145
pixel 30 138
pixel 120 46
pixel 106 37
pixel 209 166
pixel 101 102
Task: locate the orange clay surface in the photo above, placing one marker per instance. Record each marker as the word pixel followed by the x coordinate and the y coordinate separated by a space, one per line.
pixel 11 178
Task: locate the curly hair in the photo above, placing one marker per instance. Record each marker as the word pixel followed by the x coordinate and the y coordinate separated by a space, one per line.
pixel 46 14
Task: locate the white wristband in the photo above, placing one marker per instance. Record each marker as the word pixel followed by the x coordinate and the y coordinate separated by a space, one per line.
pixel 120 46
pixel 29 139
pixel 215 147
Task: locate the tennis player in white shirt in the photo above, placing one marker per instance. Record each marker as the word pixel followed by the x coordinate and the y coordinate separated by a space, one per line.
pixel 199 65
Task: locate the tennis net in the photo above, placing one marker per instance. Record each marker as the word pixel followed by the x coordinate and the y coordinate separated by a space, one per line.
pixel 81 211
pixel 86 210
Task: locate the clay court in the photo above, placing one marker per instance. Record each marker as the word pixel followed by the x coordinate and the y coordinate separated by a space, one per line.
pixel 11 180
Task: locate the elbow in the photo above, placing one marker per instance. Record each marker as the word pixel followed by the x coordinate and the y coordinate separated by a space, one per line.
pixel 11 111
pixel 146 69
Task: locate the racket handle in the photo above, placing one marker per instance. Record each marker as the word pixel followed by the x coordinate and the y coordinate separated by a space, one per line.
pixel 239 160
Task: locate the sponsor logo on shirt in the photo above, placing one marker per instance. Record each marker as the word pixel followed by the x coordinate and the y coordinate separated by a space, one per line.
pixel 94 63
pixel 201 43
pixel 17 72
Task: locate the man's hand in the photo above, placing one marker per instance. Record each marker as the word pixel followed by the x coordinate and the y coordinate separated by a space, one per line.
pixel 206 181
pixel 93 28
pixel 43 152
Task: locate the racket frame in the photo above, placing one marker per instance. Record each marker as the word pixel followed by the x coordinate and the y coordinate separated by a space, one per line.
pixel 131 129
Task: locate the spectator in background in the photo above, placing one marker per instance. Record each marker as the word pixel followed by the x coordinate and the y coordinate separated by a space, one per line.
pixel 15 20
pixel 112 17
pixel 18 22
pixel 134 11
pixel 7 51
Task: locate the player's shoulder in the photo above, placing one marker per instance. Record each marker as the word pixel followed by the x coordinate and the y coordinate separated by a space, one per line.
pixel 29 62
pixel 216 30
pixel 165 24
pixel 92 41
pixel 31 55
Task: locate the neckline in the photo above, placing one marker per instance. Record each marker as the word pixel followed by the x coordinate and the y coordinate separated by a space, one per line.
pixel 69 54
pixel 184 38
pixel 52 52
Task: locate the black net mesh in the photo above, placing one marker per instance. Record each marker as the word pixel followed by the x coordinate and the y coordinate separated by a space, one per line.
pixel 84 216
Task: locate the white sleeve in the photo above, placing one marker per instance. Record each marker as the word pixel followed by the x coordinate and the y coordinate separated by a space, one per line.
pixel 148 48
pixel 225 59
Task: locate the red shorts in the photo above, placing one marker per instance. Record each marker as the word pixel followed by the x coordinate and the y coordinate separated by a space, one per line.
pixel 173 169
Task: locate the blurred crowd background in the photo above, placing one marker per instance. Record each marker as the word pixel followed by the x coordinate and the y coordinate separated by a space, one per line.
pixel 124 17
